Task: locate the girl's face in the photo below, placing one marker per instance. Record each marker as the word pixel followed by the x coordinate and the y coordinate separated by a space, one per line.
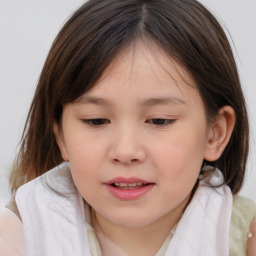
pixel 136 141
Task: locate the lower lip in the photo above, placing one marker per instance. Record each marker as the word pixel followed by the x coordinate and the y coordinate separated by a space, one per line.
pixel 129 194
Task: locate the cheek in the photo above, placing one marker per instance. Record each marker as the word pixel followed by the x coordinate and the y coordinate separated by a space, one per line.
pixel 85 159
pixel 179 152
pixel 84 170
pixel 179 161
pixel 84 149
pixel 178 171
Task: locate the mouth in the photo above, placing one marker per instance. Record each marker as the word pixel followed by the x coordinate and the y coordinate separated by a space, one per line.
pixel 129 185
pixel 128 188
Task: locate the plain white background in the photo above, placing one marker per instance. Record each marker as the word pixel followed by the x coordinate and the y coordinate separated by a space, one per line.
pixel 27 29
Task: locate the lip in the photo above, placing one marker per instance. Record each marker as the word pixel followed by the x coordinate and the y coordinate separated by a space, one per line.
pixel 128 194
pixel 126 180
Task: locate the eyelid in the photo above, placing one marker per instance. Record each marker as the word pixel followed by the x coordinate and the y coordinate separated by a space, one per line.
pixel 89 121
pixel 168 121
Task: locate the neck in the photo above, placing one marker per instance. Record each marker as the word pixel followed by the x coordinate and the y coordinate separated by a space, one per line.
pixel 146 240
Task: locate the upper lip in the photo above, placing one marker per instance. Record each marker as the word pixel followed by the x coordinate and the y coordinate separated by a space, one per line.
pixel 126 180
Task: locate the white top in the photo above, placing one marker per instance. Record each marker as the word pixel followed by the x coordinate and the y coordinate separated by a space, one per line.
pixel 12 237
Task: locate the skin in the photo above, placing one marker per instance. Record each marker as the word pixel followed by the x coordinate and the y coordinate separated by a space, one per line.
pixel 251 244
pixel 147 121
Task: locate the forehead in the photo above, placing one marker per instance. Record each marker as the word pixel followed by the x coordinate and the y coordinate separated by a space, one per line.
pixel 144 70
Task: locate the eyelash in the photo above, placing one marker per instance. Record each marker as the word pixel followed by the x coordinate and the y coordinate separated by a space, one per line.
pixel 96 121
pixel 154 121
pixel 163 121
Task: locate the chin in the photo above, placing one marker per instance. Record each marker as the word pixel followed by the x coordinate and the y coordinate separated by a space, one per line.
pixel 132 220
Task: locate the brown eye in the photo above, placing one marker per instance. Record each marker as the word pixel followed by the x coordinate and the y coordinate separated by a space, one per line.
pixel 96 122
pixel 161 121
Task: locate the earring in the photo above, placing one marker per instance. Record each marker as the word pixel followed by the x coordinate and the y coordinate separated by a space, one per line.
pixel 252 228
pixel 249 235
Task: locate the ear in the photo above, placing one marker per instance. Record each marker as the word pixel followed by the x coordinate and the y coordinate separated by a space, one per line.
pixel 220 131
pixel 60 141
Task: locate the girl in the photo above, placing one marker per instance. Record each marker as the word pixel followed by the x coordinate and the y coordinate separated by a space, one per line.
pixel 136 140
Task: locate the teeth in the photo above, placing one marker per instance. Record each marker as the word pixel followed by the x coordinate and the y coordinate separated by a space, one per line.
pixel 134 184
pixel 129 185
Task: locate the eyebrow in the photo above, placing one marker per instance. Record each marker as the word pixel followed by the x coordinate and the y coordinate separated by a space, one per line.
pixel 143 103
pixel 94 100
pixel 162 101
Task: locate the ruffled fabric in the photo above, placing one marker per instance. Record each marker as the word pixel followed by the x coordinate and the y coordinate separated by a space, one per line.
pixel 204 226
pixel 57 222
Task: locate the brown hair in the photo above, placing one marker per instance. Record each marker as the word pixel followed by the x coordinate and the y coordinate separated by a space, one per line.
pixel 91 39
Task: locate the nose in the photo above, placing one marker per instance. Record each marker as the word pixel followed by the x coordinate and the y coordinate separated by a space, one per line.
pixel 127 147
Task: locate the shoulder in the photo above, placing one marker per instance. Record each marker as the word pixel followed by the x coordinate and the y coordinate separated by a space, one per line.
pixel 243 211
pixel 12 241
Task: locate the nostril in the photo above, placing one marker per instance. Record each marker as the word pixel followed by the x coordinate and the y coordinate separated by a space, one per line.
pixel 126 155
pixel 127 160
